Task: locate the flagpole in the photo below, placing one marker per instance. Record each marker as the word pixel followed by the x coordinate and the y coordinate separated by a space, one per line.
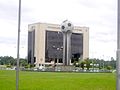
pixel 18 46
pixel 118 48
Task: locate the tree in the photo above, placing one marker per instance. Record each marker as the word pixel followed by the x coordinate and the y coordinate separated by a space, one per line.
pixel 82 64
pixel 87 62
pixel 8 66
pixel 23 62
pixel 6 60
pixel 113 63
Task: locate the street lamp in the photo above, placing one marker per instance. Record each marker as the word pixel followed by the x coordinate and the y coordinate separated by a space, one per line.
pixel 92 65
pixel 58 49
pixel 18 46
pixel 118 49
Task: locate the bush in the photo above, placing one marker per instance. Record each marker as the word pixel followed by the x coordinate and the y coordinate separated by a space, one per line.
pixel 82 64
pixel 9 66
pixel 109 67
pixel 76 64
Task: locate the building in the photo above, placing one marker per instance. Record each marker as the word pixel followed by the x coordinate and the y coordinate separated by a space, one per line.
pixel 45 43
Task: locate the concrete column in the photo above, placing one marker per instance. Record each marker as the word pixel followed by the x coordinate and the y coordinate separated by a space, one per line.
pixel 66 28
pixel 64 49
pixel 68 47
pixel 32 49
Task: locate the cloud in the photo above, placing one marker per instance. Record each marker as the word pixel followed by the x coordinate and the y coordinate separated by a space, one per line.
pixel 6 40
pixel 8 10
pixel 99 15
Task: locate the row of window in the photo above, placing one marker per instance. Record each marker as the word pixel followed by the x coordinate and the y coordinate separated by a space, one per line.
pixel 53 42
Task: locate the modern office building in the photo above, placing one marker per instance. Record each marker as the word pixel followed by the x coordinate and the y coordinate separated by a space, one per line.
pixel 45 44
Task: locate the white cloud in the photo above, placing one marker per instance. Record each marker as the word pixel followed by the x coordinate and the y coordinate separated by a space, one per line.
pixel 98 15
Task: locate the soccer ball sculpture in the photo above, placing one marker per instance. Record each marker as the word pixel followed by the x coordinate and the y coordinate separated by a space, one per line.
pixel 66 26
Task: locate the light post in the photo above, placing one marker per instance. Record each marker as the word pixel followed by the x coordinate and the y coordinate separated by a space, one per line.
pixel 100 63
pixel 118 49
pixel 57 54
pixel 58 49
pixel 18 46
pixel 103 63
pixel 92 65
pixel 108 62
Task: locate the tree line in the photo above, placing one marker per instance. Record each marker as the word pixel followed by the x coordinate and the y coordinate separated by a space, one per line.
pixel 11 61
pixel 95 63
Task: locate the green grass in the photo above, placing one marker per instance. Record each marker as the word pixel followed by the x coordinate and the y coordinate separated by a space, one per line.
pixel 58 81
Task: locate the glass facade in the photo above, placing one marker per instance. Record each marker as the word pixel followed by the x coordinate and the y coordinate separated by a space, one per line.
pixel 54 46
pixel 31 45
pixel 76 46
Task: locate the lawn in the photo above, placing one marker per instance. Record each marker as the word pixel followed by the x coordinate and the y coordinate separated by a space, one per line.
pixel 58 81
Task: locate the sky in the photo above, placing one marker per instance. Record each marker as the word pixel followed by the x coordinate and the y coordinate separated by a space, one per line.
pixel 99 15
